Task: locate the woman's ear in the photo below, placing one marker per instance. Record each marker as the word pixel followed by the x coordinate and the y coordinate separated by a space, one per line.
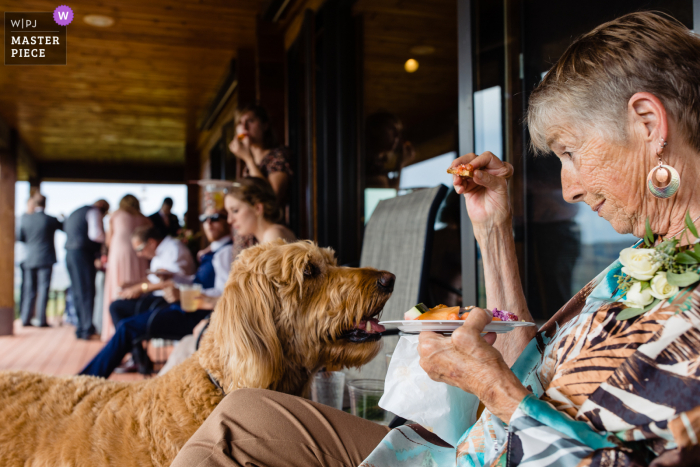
pixel 648 117
pixel 259 209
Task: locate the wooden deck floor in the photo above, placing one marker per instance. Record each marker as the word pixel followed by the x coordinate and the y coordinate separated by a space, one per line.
pixel 52 351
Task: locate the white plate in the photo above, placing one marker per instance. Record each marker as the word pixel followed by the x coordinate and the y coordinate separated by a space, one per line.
pixel 416 326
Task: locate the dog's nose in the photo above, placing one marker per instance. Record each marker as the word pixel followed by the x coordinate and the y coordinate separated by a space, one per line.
pixel 386 281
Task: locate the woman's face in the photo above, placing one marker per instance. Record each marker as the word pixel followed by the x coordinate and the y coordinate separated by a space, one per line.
pixel 606 176
pixel 242 216
pixel 251 126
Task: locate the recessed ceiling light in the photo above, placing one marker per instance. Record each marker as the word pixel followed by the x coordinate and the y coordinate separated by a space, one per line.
pixel 100 21
pixel 411 65
pixel 422 50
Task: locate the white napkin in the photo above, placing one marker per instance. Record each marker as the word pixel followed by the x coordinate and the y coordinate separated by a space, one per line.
pixel 409 392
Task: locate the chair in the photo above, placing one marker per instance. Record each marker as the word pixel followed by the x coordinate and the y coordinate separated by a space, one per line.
pixel 398 239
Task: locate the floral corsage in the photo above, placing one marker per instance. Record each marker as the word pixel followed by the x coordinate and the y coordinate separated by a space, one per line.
pixel 656 273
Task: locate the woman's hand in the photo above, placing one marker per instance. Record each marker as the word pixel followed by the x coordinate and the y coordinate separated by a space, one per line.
pixel 468 361
pixel 486 194
pixel 240 147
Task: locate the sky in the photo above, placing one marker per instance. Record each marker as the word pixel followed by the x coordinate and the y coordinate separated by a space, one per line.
pixel 62 198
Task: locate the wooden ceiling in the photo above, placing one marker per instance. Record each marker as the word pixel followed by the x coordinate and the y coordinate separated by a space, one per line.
pixel 131 92
pixel 426 100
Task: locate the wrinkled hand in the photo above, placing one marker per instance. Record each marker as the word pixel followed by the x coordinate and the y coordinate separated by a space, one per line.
pixel 171 294
pixel 240 148
pixel 131 292
pixel 468 361
pixel 486 194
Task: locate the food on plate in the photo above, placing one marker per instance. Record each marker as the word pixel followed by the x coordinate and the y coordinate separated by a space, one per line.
pixel 442 312
pixel 500 315
pixel 415 312
pixel 463 170
pixel 445 313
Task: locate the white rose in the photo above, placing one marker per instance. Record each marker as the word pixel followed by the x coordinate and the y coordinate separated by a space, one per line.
pixel 660 288
pixel 638 298
pixel 638 263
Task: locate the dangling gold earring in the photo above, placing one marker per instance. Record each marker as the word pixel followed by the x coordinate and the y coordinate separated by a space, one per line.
pixel 662 173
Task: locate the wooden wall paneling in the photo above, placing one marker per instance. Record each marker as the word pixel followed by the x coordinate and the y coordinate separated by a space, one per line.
pixel 270 75
pixel 8 177
pixel 245 64
pixel 311 187
pixel 336 130
pixel 293 24
pixel 300 129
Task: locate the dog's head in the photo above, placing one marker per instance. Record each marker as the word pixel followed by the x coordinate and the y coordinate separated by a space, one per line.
pixel 289 309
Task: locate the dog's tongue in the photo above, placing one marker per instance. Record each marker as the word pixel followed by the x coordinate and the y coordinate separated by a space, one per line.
pixel 370 326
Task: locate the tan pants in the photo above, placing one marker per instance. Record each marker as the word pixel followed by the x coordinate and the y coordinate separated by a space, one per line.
pixel 256 427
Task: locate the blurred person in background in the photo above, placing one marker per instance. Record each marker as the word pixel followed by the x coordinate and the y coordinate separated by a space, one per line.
pixel 36 231
pixel 170 321
pixel 164 220
pixel 85 236
pixel 21 250
pixel 387 151
pixel 124 268
pixel 256 146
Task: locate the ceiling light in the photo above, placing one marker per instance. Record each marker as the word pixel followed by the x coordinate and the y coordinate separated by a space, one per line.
pixel 100 21
pixel 422 50
pixel 411 65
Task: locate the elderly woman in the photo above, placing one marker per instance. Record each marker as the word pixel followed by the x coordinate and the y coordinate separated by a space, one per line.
pixel 614 378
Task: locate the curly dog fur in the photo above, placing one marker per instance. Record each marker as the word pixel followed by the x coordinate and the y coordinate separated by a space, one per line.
pixel 287 310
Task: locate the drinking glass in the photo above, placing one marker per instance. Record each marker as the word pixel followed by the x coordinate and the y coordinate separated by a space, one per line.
pixel 189 296
pixel 364 399
pixel 327 388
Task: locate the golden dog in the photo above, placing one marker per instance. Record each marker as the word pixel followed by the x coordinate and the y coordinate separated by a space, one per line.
pixel 287 310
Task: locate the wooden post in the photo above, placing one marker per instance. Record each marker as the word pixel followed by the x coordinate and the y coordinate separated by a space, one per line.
pixel 8 177
pixel 192 173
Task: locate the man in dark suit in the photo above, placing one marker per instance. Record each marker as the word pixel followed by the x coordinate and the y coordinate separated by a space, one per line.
pixel 85 236
pixel 37 231
pixel 164 220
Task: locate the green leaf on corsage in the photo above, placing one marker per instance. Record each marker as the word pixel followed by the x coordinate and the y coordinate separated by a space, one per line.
pixel 685 257
pixel 690 225
pixel 682 280
pixel 628 313
pixel 645 285
pixel 648 235
pixel 696 248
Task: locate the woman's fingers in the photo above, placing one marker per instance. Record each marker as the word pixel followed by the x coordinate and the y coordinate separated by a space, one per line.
pixel 468 336
pixel 490 338
pixel 489 172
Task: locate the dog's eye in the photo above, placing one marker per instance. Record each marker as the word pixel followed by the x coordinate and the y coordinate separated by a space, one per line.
pixel 311 270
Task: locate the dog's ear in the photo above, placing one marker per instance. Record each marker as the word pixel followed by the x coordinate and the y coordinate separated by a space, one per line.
pixel 245 336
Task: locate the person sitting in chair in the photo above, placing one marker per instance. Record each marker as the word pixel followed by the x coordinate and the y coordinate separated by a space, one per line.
pixel 169 258
pixel 170 321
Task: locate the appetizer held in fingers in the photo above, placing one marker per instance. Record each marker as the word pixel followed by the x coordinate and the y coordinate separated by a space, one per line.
pixel 462 170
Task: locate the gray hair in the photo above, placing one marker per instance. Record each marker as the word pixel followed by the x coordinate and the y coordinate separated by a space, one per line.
pixel 590 85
